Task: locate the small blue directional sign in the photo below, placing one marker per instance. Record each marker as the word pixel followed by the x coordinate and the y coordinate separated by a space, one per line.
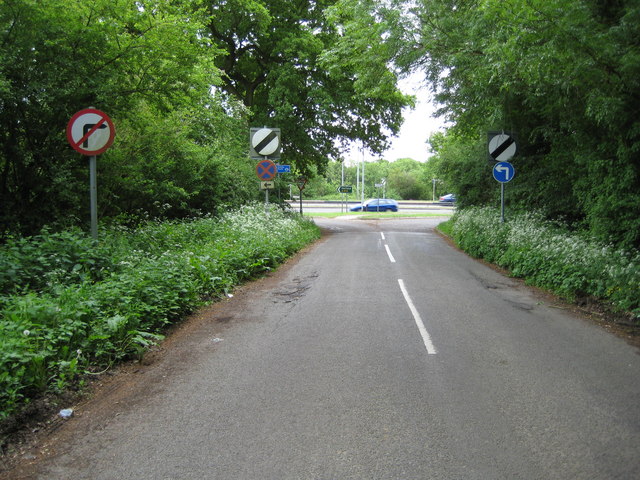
pixel 284 168
pixel 503 172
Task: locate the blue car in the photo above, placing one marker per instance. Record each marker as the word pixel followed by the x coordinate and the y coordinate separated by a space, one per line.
pixel 450 198
pixel 376 205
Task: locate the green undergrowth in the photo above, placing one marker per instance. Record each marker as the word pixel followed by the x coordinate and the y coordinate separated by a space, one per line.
pixel 70 306
pixel 550 256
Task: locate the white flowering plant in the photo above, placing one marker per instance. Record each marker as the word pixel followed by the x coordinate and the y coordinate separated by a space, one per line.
pixel 551 256
pixel 69 305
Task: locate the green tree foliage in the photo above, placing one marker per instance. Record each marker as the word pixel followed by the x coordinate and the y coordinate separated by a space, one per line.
pixel 562 74
pixel 147 65
pixel 187 163
pixel 405 179
pixel 292 65
pixel 461 167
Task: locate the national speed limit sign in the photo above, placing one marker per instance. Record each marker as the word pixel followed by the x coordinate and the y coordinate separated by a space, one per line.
pixel 265 142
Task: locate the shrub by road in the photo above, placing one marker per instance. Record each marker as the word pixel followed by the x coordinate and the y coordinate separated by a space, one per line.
pixel 550 256
pixel 69 306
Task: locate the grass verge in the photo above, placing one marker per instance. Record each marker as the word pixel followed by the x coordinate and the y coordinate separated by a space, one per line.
pixel 550 256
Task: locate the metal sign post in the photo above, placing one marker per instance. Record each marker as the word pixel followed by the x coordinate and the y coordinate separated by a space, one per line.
pixel 503 172
pixel 93 195
pixel 502 203
pixel 502 147
pixel 91 132
pixel 345 190
pixel 282 169
pixel 301 182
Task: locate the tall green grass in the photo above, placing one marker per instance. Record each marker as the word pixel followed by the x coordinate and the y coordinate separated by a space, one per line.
pixel 69 305
pixel 551 256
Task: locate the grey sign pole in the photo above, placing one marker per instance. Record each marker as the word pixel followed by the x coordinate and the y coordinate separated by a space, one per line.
pixel 502 203
pixel 93 196
pixel 266 197
pixel 94 125
pixel 502 147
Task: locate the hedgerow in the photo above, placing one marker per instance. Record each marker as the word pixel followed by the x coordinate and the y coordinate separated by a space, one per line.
pixel 549 255
pixel 69 305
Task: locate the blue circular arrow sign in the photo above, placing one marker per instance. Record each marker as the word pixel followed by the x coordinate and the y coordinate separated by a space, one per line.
pixel 503 172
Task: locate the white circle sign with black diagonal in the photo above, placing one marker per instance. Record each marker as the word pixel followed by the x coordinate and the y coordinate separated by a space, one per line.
pixel 265 142
pixel 502 147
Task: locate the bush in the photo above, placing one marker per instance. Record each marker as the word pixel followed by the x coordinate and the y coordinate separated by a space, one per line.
pixel 49 260
pixel 550 256
pixel 69 305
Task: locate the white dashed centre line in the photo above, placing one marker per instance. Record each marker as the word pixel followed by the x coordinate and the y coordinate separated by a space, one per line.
pixel 386 247
pixel 431 350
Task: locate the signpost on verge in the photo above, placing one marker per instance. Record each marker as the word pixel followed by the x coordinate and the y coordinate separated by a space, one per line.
pixel 91 132
pixel 266 171
pixel 265 145
pixel 301 182
pixel 502 147
pixel 282 169
pixel 379 186
pixel 345 190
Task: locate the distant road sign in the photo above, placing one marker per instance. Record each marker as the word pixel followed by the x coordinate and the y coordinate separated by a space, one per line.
pixel 266 170
pixel 345 189
pixel 503 172
pixel 265 142
pixel 301 182
pixel 267 185
pixel 502 147
pixel 90 132
pixel 284 168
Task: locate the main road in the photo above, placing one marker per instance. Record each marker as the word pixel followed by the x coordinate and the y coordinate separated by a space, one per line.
pixel 381 353
pixel 311 207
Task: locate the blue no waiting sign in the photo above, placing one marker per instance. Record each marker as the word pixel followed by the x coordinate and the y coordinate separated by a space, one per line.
pixel 266 170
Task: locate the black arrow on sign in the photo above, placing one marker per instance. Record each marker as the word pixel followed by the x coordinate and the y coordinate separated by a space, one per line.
pixel 87 128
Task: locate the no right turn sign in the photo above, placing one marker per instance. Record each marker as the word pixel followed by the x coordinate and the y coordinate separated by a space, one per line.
pixel 90 131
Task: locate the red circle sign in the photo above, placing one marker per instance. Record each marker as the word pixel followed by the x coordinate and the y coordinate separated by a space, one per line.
pixel 90 131
pixel 266 170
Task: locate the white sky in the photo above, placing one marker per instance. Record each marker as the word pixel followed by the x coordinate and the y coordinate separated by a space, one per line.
pixel 419 124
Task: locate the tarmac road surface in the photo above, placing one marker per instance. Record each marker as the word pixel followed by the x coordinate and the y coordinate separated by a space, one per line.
pixel 380 353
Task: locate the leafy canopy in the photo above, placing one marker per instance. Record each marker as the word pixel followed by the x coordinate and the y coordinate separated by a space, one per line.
pixel 564 75
pixel 291 64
